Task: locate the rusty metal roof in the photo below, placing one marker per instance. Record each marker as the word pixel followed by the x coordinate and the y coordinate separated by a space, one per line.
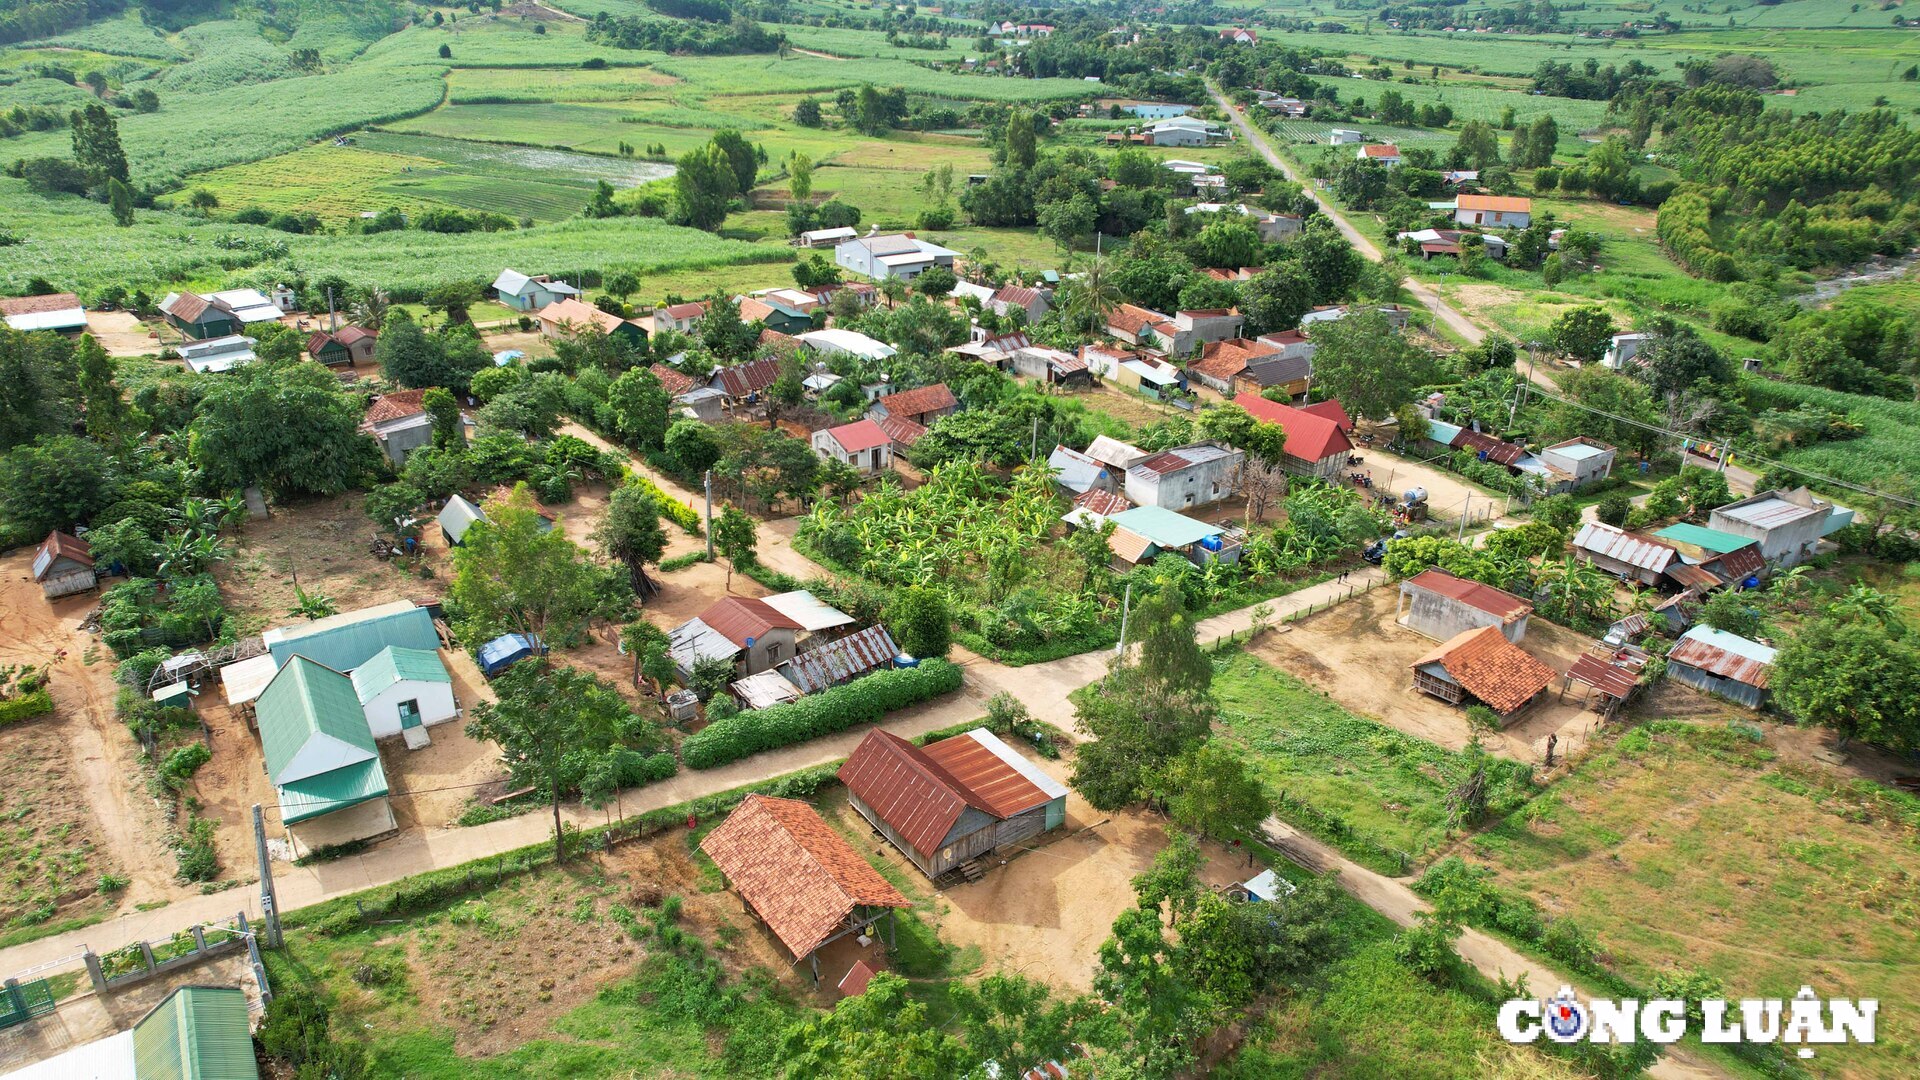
pixel 994 772
pixel 1499 603
pixel 59 545
pixel 1694 577
pixel 799 876
pixel 1738 565
pixel 908 790
pixel 740 619
pixel 1619 545
pixel 1726 655
pixel 1616 682
pixel 915 403
pixel 840 660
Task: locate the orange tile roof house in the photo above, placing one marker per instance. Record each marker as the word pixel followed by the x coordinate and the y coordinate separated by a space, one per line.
pixel 1385 154
pixel 951 803
pixel 922 405
pixel 1220 361
pixel 862 444
pixel 679 317
pixel 1484 666
pixel 570 315
pixel 1439 605
pixel 799 877
pixel 1498 211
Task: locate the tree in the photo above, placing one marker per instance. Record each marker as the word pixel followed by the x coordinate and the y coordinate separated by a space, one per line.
pixel 600 204
pixel 1676 358
pixel 1733 612
pixel 108 415
pixel 296 1031
pixel 632 534
pixel 56 483
pixel 1227 242
pixel 406 354
pixel 1274 299
pixel 815 271
pixel 807 113
pixel 735 537
pixel 1235 426
pixel 882 1032
pixel 799 176
pixel 740 157
pixel 287 428
pixel 1614 508
pixel 1368 366
pixel 1850 675
pixel 1012 1021
pixel 1022 147
pixel 1214 793
pixel 703 185
pixel 935 282
pixel 556 728
pixel 1086 301
pixel 1149 710
pixel 96 144
pixel 120 202
pixel 1477 148
pixel 449 427
pixel 639 407
pixel 722 332
pixel 1582 333
pixel 693 446
pixel 514 573
pixel 1557 511
pixel 921 623
pixel 1067 220
pixel 453 298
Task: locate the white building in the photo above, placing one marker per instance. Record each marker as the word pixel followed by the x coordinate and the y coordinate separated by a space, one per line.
pixel 403 691
pixel 1345 137
pixel 1623 349
pixel 827 237
pixel 524 293
pixel 1182 131
pixel 61 313
pixel 894 255
pixel 218 354
pixel 1385 155
pixel 861 444
pixel 1497 211
pixel 847 342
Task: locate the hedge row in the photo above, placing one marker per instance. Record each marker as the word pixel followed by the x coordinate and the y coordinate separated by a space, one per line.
pixel 862 701
pixel 670 508
pixel 25 707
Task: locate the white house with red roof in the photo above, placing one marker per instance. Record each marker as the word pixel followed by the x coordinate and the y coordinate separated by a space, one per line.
pixel 1385 154
pixel 862 444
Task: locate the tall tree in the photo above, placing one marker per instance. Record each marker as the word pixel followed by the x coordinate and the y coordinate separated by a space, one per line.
pixel 704 186
pixel 109 417
pixel 1367 365
pixel 515 573
pixel 120 202
pixel 1849 674
pixel 288 428
pixel 56 483
pixel 639 407
pixel 632 534
pixel 96 144
pixel 1022 144
pixel 1148 711
pixel 741 159
pixel 735 535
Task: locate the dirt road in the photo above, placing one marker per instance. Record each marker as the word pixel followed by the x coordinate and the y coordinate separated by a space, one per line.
pixel 1490 956
pixel 1420 291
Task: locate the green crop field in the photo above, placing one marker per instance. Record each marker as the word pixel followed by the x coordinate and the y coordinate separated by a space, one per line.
pixel 556 84
pixel 854 43
pixel 124 36
pixel 224 54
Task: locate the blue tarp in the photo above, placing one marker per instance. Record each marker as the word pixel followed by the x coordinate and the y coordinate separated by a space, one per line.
pixel 502 652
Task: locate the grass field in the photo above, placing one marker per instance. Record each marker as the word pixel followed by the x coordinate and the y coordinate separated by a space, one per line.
pixel 1693 848
pixel 1365 786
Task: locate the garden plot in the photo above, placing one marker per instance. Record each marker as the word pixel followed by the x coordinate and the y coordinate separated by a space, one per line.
pixel 326 543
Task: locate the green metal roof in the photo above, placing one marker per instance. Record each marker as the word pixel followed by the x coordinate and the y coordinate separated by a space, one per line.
pixel 311 722
pixel 1702 537
pixel 345 641
pixel 314 796
pixel 197 1033
pixel 1164 527
pixel 394 664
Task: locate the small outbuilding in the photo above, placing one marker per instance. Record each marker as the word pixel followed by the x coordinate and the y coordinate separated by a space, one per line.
pixel 950 805
pixel 1628 556
pixel 403 692
pixel 63 566
pixel 749 632
pixel 507 650
pixel 1442 606
pixel 1482 665
pixel 799 877
pixel 1724 664
pixel 842 659
pixel 459 515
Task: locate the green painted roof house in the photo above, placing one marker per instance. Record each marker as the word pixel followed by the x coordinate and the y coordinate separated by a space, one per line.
pixel 347 640
pixel 394 664
pixel 319 750
pixel 197 1033
pixel 1702 537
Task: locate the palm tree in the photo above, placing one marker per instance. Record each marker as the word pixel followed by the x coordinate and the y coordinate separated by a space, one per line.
pixel 1088 298
pixel 893 289
pixel 370 311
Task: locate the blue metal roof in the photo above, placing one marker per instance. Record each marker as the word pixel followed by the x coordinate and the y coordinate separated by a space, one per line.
pixel 1164 527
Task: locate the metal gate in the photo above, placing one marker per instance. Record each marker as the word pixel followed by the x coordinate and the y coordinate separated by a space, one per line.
pixel 21 1002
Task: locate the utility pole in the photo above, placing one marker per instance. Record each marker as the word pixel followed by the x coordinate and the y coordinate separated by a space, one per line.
pixel 269 904
pixel 709 485
pixel 1463 516
pixel 1126 612
pixel 1033 444
pixel 333 321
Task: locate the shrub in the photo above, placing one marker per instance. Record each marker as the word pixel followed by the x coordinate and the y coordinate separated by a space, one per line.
pixel 182 763
pixel 860 702
pixel 25 707
pixel 194 850
pixel 1570 943
pixel 670 508
pixel 1614 509
pixel 921 622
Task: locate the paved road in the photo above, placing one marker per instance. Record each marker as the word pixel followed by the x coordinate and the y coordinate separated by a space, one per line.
pixel 1490 956
pixel 1419 290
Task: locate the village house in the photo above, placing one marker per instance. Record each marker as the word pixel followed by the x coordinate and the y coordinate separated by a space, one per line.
pixel 1624 349
pixel 1291 375
pixel 525 293
pixel 1221 361
pixel 802 880
pixel 403 692
pixel 816 238
pixel 1198 474
pixel 902 434
pixel 221 314
pixel 1078 473
pixel 775 314
pixel 1722 664
pixel 400 424
pixel 1495 211
pixel 741 384
pixel 838 342
pixel 1144 533
pixel 822 664
pixel 1187 329
pixel 1383 154
pixel 1239 35
pixel 193 1033
pixel 861 444
pixel 1625 555
pixel 1345 137
pixel 340 642
pixel 1055 367
pixel 1439 605
pixel 1710 558
pixel 63 566
pixel 1482 666
pixel 1788 525
pixel 680 318
pixel 570 316
pixel 1031 302
pixel 219 354
pixel 949 805
pixel 62 313
pixel 744 631
pixel 457 517
pixel 1292 108
pixel 350 345
pixel 321 758
pixel 1587 461
pixel 1396 315
pixel 1289 344
pixel 1115 454
pixel 922 405
pixel 1317 443
pixel 1182 131
pixel 894 255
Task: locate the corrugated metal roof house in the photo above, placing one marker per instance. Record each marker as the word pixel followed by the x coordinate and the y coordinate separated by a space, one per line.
pixel 1724 664
pixel 1440 605
pixel 321 757
pixel 347 640
pixel 196 1033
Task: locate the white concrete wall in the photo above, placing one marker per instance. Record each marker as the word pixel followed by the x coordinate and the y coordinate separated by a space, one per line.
pixel 361 822
pixel 436 706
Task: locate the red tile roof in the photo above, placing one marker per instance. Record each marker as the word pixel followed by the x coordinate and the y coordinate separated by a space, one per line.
pixel 673 382
pixel 1499 603
pixel 1310 436
pixel 347 335
pixel 854 982
pixel 1229 357
pixel 859 435
pixel 1016 294
pixel 1381 150
pixel 797 874
pixel 1491 668
pixel 571 312
pixel 690 310
pixel 784 344
pixel 902 431
pixel 396 406
pixel 59 545
pixel 911 404
pixel 36 305
pixel 1130 319
pixel 1510 204
pixel 738 618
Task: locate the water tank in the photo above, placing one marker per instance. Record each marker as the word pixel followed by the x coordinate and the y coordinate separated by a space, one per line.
pixel 1416 495
pixel 1210 543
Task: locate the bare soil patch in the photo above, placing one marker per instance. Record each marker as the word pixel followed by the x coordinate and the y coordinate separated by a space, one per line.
pixel 325 542
pixel 1363 659
pixel 121 334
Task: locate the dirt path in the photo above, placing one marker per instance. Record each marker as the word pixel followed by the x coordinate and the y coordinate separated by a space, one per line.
pixel 1420 291
pixel 816 55
pixel 1490 956
pixel 102 755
